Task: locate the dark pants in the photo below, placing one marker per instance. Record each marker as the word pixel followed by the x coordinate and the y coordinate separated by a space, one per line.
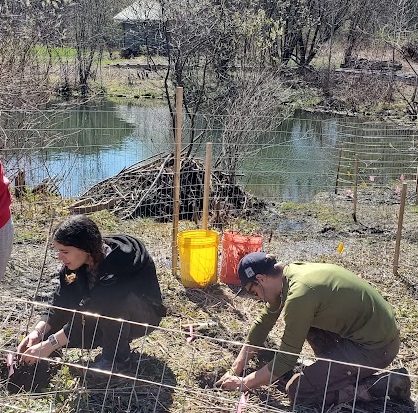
pixel 337 382
pixel 113 336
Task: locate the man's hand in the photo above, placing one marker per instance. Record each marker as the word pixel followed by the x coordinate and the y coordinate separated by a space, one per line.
pixel 230 382
pixel 225 377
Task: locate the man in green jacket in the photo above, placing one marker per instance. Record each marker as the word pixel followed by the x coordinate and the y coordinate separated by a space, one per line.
pixel 341 316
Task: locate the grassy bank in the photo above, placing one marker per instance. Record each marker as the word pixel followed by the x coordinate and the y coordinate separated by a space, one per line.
pixel 374 94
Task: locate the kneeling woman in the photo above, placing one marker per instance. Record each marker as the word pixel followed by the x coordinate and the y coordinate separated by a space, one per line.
pixel 112 276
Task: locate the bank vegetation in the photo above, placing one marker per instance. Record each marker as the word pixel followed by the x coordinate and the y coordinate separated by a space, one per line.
pixel 219 52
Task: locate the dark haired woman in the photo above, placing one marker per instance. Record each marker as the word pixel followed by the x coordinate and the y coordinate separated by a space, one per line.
pixel 112 276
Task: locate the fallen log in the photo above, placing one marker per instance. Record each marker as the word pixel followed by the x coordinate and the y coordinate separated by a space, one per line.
pixel 86 208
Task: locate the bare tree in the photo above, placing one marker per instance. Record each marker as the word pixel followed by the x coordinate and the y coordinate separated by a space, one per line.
pixel 308 25
pixel 211 45
pixel 23 74
pixel 88 27
pixel 24 79
pixel 190 49
pixel 360 27
pixel 398 24
pixel 261 103
pixel 88 18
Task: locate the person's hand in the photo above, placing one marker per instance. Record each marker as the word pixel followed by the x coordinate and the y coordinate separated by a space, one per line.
pixel 33 353
pixel 226 376
pixel 34 337
pixel 230 382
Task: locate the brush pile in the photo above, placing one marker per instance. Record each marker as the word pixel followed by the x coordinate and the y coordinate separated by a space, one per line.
pixel 146 189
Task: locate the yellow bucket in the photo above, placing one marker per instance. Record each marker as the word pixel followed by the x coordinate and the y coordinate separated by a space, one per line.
pixel 198 250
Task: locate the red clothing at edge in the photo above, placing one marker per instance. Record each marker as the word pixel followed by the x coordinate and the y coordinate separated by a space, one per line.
pixel 5 198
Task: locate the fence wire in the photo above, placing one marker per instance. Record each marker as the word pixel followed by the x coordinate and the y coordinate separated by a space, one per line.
pixel 286 177
pixel 168 372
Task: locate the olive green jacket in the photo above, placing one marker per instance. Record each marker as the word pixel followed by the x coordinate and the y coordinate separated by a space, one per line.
pixel 328 297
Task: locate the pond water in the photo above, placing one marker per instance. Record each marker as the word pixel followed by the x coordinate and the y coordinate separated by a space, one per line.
pixel 293 162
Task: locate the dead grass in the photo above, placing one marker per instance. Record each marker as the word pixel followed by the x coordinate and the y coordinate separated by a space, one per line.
pixel 130 80
pixel 186 372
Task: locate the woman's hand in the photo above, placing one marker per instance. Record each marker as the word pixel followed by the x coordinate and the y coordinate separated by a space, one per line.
pixel 34 337
pixel 33 353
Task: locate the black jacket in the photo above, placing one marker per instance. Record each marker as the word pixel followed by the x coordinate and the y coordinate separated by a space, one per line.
pixel 127 268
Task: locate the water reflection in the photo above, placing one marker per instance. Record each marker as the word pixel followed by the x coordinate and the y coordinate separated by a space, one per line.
pixel 303 156
pixel 91 143
pixel 299 159
pixel 295 164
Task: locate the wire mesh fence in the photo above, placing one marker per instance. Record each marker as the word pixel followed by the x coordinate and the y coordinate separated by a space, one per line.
pixel 273 183
pixel 171 369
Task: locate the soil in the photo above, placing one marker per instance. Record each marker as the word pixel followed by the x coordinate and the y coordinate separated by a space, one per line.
pixel 188 371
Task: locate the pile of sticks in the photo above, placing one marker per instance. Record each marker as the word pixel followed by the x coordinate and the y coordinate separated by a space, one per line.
pixel 146 189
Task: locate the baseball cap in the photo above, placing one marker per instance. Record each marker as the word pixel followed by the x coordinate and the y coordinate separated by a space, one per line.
pixel 252 264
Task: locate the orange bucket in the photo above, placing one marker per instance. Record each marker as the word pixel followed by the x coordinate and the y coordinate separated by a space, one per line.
pixel 234 247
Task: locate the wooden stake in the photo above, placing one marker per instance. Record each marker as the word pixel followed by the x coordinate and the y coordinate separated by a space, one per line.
pixel 338 171
pixel 399 233
pixel 177 166
pixel 206 190
pixel 416 188
pixel 355 190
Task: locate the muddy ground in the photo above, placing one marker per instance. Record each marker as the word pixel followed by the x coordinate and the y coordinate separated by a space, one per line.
pixel 187 371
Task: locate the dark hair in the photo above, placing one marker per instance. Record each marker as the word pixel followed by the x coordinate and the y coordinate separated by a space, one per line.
pixel 81 232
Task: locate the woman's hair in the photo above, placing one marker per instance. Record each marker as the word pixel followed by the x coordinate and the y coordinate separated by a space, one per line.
pixel 81 232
